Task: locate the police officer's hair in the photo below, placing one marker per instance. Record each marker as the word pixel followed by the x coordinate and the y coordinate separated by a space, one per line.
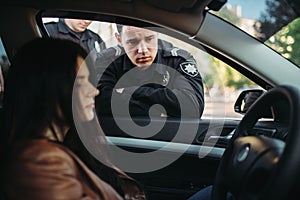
pixel 120 28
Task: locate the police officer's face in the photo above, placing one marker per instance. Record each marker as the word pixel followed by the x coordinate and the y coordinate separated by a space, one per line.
pixel 78 25
pixel 140 45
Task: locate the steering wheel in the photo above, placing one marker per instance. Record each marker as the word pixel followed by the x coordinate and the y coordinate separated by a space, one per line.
pixel 260 167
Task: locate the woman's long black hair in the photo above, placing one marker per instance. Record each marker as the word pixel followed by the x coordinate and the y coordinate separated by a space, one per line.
pixel 39 93
pixel 40 81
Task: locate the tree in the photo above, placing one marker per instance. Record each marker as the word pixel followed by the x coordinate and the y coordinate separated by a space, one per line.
pixel 278 14
pixel 275 27
pixel 221 75
pixel 286 42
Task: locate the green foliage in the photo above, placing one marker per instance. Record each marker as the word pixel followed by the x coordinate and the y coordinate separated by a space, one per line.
pixel 221 75
pixel 277 15
pixel 286 41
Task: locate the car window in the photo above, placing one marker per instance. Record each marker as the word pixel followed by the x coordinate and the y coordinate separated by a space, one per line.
pixel 266 23
pixel 4 66
pixel 222 84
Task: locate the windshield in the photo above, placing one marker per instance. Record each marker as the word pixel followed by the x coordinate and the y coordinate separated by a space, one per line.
pixel 273 22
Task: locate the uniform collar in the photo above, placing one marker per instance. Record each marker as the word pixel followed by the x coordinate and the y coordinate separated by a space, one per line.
pixel 159 64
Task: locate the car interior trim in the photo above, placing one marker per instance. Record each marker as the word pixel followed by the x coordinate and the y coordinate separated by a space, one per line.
pixel 213 152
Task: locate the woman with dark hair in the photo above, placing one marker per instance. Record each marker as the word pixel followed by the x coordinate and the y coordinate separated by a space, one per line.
pixel 48 101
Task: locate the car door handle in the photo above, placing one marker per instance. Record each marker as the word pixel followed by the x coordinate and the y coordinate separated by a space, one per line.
pixel 225 138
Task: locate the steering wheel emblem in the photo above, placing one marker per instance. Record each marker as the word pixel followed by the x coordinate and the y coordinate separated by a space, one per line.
pixel 242 155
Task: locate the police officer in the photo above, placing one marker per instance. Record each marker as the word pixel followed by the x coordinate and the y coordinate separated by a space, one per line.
pixel 143 71
pixel 76 30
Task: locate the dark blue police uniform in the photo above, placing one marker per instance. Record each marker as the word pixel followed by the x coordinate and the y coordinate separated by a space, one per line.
pixel 171 80
pixel 87 39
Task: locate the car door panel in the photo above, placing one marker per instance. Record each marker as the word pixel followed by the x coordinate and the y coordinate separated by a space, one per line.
pixel 181 178
pixel 197 162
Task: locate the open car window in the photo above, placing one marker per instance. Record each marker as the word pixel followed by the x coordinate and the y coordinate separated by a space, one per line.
pixel 221 83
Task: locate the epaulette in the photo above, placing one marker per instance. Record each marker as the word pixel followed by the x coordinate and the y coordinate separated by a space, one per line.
pixel 115 51
pixel 108 55
pixel 176 52
pixel 118 51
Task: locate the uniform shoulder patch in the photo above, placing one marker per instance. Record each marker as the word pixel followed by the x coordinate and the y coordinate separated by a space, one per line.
pixel 189 68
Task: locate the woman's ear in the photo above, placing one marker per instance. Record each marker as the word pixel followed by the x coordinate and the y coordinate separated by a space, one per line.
pixel 118 37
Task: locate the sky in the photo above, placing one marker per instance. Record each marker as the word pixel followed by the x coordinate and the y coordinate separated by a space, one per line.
pixel 250 8
pixel 2 51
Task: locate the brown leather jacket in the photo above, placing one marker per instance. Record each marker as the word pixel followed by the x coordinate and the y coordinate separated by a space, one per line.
pixel 43 170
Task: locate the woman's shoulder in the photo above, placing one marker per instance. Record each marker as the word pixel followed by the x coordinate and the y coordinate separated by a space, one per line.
pixel 37 150
pixel 40 158
pixel 46 170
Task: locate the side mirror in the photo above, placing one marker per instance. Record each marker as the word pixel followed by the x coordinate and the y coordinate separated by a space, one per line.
pixel 246 99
